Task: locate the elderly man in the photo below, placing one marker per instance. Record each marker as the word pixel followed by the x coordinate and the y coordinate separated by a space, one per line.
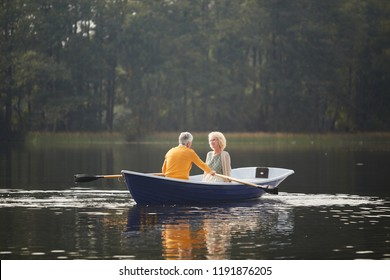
pixel 178 160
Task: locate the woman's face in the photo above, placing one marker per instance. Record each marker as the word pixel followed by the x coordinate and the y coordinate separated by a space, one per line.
pixel 213 142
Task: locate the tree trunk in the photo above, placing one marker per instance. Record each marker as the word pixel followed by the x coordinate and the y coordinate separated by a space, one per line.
pixel 110 99
pixel 8 103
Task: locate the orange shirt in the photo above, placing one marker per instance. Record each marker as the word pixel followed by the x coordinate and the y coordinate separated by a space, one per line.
pixel 178 162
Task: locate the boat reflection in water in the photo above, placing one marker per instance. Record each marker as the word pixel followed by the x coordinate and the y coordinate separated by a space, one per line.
pixel 210 232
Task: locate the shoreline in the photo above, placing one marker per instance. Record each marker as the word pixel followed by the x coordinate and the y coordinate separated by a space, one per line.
pixel 233 138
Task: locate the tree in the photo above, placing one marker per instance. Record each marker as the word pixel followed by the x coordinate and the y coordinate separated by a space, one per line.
pixel 143 66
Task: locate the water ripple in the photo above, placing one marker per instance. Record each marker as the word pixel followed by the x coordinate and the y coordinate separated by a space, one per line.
pixel 73 198
pixel 313 200
pixel 121 199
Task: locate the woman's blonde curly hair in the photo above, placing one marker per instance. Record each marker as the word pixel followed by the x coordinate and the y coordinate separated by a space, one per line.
pixel 220 137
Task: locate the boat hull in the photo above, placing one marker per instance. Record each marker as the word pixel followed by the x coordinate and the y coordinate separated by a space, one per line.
pixel 153 189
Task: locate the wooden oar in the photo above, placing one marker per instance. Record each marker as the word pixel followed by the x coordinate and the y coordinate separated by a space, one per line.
pixel 82 178
pixel 266 189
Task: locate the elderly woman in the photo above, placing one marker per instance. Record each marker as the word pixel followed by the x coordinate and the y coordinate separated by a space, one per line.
pixel 218 159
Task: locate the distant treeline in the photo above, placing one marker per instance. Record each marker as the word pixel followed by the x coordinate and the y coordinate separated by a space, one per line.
pixel 200 65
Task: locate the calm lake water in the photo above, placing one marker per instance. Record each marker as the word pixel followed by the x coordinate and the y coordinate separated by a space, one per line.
pixel 335 206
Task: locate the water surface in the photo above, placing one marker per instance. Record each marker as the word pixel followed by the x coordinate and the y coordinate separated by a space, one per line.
pixel 336 206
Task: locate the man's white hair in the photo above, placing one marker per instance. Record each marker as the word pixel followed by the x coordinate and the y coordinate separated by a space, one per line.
pixel 185 138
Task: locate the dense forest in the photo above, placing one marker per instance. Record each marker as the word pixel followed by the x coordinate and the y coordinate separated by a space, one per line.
pixel 200 65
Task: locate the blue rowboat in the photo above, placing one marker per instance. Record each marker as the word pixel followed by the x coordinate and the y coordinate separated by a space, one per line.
pixel 248 183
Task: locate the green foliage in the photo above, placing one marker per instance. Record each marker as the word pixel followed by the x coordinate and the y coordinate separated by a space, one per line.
pixel 144 66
